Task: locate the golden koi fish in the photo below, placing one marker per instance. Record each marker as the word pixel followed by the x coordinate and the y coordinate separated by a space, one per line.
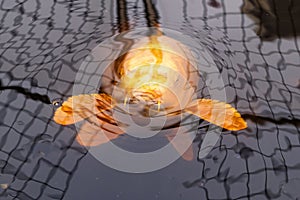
pixel 154 80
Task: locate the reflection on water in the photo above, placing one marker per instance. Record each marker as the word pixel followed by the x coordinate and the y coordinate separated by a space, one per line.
pixel 46 41
pixel 274 18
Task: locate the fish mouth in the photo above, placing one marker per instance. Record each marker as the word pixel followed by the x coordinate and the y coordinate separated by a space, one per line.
pixel 145 100
pixel 147 95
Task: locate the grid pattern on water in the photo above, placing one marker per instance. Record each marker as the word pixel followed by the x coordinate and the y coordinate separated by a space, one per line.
pixel 42 44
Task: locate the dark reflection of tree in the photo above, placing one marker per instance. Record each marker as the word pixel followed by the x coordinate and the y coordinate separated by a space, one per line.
pixel 152 17
pixel 274 18
pixel 151 12
pixel 123 21
pixel 27 93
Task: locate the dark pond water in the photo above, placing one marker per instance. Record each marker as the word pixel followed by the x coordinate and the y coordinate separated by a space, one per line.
pixel 255 45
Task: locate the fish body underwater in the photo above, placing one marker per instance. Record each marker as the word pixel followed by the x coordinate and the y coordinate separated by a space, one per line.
pixel 155 78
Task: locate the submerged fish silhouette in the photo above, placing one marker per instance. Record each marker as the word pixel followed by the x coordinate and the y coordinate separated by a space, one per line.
pixel 153 79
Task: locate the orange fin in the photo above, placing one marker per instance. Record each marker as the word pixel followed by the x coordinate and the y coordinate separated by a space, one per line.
pixel 218 113
pixel 77 108
pixel 181 141
pixel 93 135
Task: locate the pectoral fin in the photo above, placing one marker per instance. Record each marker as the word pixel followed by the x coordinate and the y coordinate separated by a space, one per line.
pixel 77 108
pixel 91 135
pixel 180 141
pixel 218 113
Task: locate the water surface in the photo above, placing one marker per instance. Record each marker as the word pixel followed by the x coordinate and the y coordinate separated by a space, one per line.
pixel 255 46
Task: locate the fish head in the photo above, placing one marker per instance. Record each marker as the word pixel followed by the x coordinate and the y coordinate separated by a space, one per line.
pixel 157 75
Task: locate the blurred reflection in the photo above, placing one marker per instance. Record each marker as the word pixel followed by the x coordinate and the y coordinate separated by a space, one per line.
pixel 123 22
pixel 274 18
pixel 214 4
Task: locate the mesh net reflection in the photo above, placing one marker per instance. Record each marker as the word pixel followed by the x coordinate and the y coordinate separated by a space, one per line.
pixel 44 44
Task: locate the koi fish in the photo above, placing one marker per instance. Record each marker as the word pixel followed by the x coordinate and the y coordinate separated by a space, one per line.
pixel 154 78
